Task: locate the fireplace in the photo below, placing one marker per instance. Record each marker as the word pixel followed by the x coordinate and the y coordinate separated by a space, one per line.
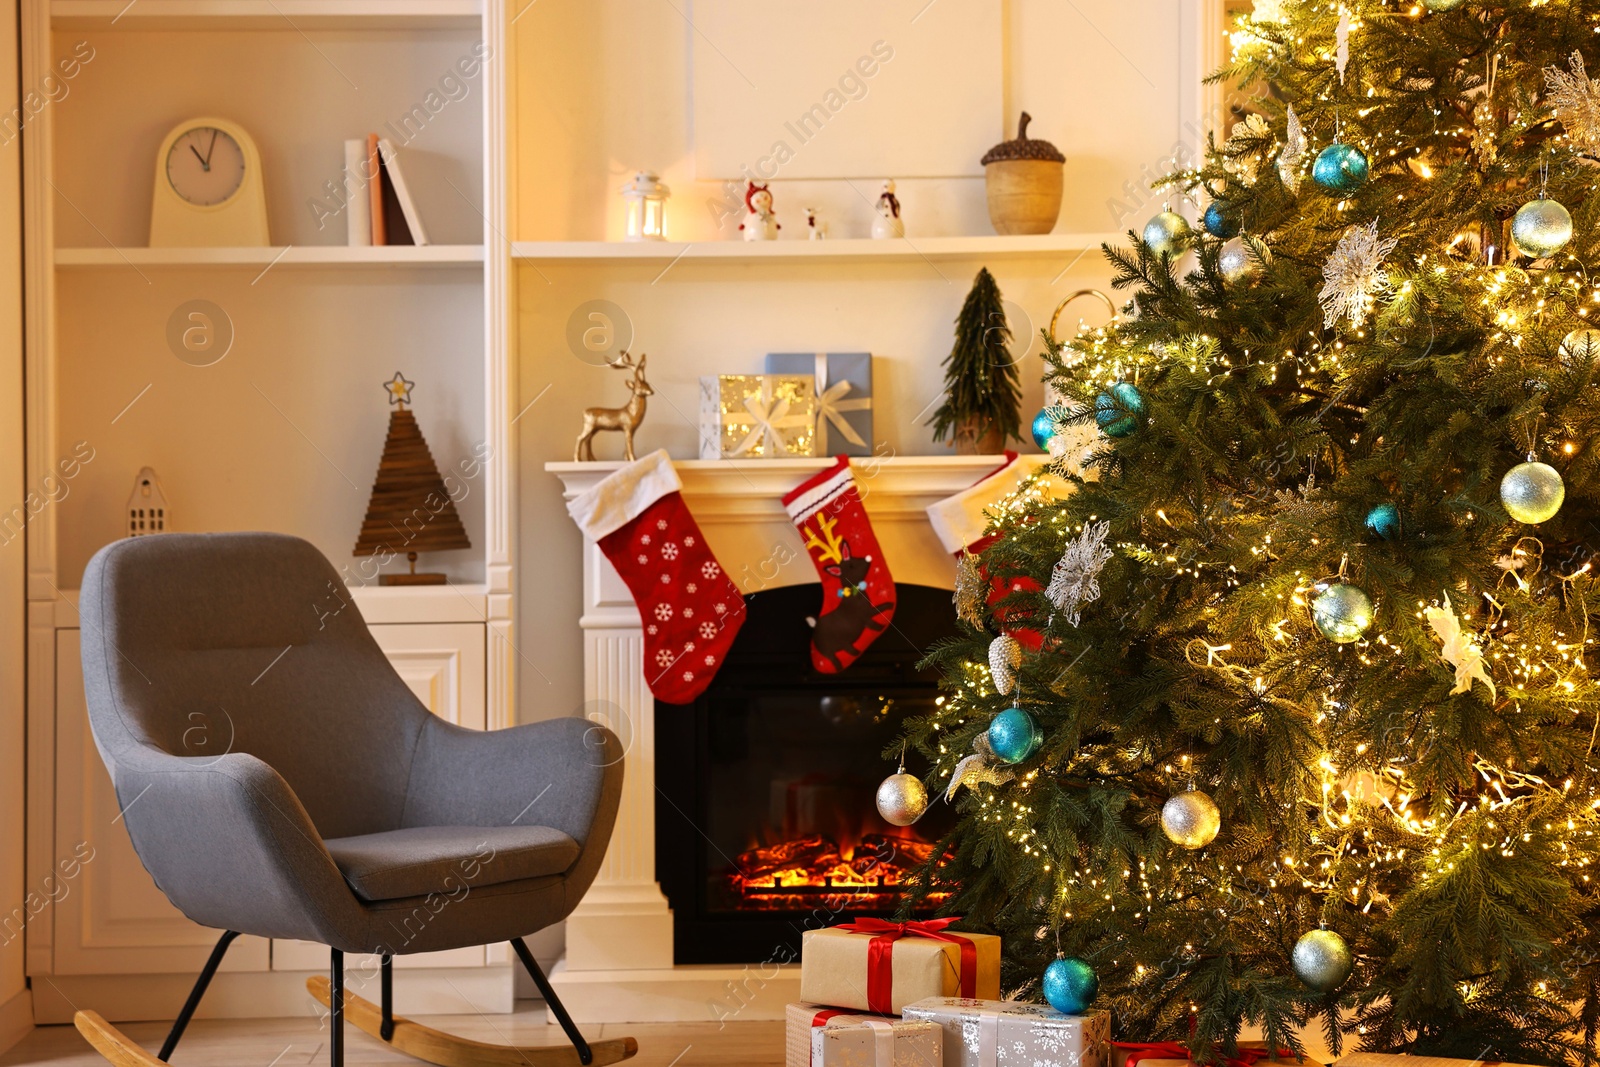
pixel 768 823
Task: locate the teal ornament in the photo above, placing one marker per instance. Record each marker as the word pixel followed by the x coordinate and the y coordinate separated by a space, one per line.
pixel 1541 228
pixel 1340 168
pixel 1166 232
pixel 1070 985
pixel 1117 410
pixel 1342 612
pixel 1014 736
pixel 1047 424
pixel 1384 520
pixel 1219 223
pixel 1322 960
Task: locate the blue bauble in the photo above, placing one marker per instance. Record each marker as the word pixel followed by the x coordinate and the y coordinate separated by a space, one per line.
pixel 1218 223
pixel 1384 520
pixel 1014 736
pixel 1047 424
pixel 1340 168
pixel 1070 985
pixel 1117 411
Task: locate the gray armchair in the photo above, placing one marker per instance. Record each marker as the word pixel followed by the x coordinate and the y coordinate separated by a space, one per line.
pixel 278 778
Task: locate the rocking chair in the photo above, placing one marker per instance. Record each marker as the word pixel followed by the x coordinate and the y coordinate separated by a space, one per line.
pixel 277 778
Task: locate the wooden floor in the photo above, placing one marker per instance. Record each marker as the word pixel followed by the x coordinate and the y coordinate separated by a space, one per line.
pixel 300 1043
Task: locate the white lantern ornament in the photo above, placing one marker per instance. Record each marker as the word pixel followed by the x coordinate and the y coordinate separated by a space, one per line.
pixel 646 198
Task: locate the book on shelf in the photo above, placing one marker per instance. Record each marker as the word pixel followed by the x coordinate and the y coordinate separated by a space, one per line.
pixel 358 203
pixel 375 191
pixel 401 220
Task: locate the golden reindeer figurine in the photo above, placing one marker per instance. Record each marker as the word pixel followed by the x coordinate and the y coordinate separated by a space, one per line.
pixel 626 418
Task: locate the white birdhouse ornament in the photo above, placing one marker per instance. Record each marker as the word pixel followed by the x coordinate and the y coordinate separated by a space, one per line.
pixel 147 507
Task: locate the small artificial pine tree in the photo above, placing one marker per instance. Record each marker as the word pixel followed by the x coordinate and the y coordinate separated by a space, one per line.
pixel 1324 405
pixel 982 391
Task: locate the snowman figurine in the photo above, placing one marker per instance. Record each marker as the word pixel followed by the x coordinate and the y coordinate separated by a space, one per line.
pixel 759 224
pixel 888 223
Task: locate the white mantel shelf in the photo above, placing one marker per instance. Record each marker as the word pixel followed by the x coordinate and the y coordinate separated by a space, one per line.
pixel 1043 246
pixel 289 15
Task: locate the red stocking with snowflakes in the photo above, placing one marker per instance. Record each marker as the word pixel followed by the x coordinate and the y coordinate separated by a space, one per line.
pixel 689 608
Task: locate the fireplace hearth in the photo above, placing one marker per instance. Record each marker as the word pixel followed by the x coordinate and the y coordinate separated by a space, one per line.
pixel 767 823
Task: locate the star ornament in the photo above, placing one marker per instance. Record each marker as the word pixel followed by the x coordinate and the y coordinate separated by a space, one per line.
pixel 1354 274
pixel 399 389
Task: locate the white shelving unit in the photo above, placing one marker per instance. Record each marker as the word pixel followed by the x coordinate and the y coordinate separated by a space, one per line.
pixel 984 247
pixel 283 430
pixel 286 256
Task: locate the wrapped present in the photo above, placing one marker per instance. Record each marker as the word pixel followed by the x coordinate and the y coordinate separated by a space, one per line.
pixel 757 416
pixel 1250 1054
pixel 844 397
pixel 1384 1059
pixel 829 1037
pixel 1008 1033
pixel 877 966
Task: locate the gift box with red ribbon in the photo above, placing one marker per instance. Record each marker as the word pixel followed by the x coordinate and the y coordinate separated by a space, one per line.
pixel 877 966
pixel 1174 1054
pixel 829 1037
pixel 1008 1033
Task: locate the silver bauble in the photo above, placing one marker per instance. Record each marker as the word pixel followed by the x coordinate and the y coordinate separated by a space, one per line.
pixel 902 799
pixel 1236 262
pixel 1342 612
pixel 1166 233
pixel 1541 227
pixel 1191 819
pixel 1580 346
pixel 1532 492
pixel 1322 960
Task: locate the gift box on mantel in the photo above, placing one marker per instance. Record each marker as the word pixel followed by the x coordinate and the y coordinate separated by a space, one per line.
pixel 844 397
pixel 1009 1033
pixel 1250 1054
pixel 757 416
pixel 827 1037
pixel 878 966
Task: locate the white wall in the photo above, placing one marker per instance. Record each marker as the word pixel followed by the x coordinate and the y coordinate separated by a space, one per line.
pixel 16 1009
pixel 600 89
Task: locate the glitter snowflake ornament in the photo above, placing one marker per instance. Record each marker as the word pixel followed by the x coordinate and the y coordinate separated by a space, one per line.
pixel 971 591
pixel 1354 273
pixel 1293 153
pixel 1575 99
pixel 1075 579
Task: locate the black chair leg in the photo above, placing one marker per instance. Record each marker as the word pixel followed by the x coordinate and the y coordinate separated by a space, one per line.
pixel 336 1006
pixel 386 981
pixel 550 998
pixel 181 1023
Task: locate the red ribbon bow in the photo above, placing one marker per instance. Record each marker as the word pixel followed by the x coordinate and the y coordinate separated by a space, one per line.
pixel 880 953
pixel 1172 1050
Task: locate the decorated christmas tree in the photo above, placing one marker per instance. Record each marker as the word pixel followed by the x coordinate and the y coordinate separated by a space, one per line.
pixel 1283 717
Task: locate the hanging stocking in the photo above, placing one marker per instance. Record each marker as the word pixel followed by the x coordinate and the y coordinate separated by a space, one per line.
pixel 857 589
pixel 960 522
pixel 689 608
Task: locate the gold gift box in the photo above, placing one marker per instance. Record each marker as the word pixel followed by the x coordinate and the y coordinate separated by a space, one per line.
pixel 848 1039
pixel 757 416
pixel 833 968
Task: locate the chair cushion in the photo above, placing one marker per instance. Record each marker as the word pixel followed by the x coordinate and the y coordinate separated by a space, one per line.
pixel 448 859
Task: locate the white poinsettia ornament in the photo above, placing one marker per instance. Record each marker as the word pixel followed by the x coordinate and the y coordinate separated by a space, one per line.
pixel 1460 650
pixel 1354 274
pixel 1575 99
pixel 1075 579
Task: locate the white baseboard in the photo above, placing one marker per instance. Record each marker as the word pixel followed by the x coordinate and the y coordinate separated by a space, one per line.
pixel 263 994
pixel 696 993
pixel 16 1019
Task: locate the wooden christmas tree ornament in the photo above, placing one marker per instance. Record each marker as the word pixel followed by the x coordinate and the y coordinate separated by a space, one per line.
pixel 410 510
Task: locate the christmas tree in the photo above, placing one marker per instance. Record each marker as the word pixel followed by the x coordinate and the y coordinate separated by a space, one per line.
pixel 1309 735
pixel 982 390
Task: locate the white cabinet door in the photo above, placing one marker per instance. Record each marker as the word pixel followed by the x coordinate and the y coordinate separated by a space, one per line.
pixel 108 915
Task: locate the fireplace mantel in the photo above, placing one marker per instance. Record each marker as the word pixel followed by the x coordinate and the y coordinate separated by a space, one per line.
pixel 619 966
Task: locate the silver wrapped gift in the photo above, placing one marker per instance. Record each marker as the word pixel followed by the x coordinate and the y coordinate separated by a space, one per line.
pixel 1009 1033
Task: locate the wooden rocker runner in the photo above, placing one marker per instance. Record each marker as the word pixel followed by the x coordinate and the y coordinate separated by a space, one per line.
pixel 326 803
